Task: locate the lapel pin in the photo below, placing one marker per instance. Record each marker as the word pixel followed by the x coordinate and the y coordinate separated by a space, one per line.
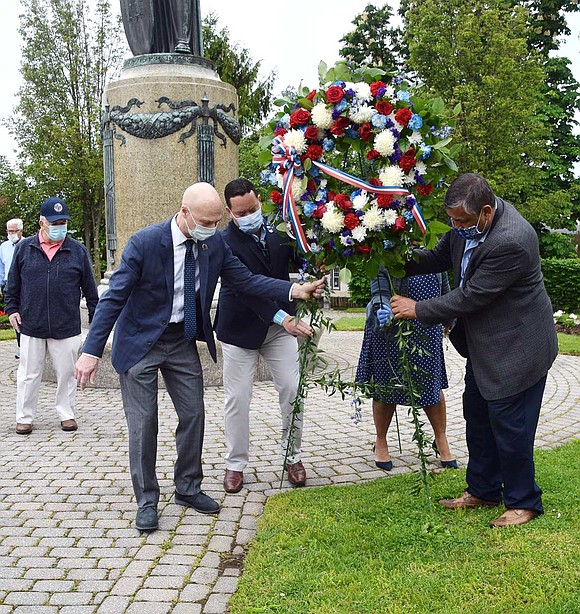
pixel 204 247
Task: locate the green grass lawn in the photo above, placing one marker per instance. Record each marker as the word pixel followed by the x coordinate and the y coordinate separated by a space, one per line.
pixel 373 548
pixel 7 333
pixel 568 344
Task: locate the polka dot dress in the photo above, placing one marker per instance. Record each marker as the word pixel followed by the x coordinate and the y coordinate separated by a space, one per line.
pixel 379 357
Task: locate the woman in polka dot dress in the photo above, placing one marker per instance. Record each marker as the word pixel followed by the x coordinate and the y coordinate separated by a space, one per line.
pixel 380 362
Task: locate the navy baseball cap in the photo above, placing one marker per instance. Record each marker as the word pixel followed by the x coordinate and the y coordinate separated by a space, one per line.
pixel 53 209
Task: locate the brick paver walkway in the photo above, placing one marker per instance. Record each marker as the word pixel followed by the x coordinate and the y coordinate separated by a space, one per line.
pixel 67 542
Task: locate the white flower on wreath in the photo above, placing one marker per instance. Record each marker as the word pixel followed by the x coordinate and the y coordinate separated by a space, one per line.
pixel 421 167
pixel 360 200
pixel 311 234
pixel 315 248
pixel 346 241
pixel 409 178
pixel 362 90
pixel 321 116
pixel 359 233
pixel 392 176
pixel 362 113
pixel 298 188
pixel 390 216
pixel 385 143
pixel 373 219
pixel 332 220
pixel 295 138
pixel 415 138
pixel 389 92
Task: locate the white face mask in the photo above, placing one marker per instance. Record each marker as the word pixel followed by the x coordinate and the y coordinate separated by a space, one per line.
pixel 251 223
pixel 199 233
pixel 13 237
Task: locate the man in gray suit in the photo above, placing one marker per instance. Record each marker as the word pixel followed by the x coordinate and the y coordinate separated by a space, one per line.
pixel 505 330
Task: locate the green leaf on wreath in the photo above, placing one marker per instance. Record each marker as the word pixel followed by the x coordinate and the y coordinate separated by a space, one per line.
pixel 457 109
pixel 322 71
pixel 450 163
pixel 371 269
pixel 438 228
pixel 307 164
pixel 441 144
pixel 305 103
pixel 345 275
pixel 264 157
pixel 281 227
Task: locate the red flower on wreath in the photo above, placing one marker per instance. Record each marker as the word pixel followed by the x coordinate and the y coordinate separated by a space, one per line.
pixel 384 107
pixel 399 225
pixel 343 202
pixel 341 124
pixel 311 186
pixel 372 154
pixel 363 249
pixel 311 133
pixel 351 221
pixel 402 116
pixel 375 181
pixel 319 212
pixel 299 118
pixel 365 131
pixel 376 86
pixel 385 200
pixel 314 152
pixel 407 161
pixel 334 94
pixel 276 197
pixel 311 94
pixel 280 132
pixel 425 190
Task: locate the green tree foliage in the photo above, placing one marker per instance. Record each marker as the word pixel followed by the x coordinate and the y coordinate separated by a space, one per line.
pixel 235 66
pixel 374 41
pixel 69 49
pixel 476 54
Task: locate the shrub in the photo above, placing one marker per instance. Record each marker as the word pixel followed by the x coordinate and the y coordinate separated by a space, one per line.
pixel 562 280
pixel 554 245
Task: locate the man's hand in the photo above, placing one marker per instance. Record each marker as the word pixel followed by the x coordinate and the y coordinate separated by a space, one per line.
pixel 15 321
pixel 310 289
pixel 296 328
pixel 403 308
pixel 86 370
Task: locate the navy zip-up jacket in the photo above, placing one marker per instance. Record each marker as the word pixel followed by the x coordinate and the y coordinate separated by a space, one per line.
pixel 47 293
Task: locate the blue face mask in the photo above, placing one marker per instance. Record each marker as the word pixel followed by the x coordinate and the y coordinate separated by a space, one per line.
pixel 471 232
pixel 57 233
pixel 200 233
pixel 251 223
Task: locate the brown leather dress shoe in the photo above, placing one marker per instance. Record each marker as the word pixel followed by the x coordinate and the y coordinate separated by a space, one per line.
pixel 23 429
pixel 466 501
pixel 69 425
pixel 296 474
pixel 233 480
pixel 513 518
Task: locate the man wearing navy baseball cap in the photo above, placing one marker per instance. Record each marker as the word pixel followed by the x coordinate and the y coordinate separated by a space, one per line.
pixel 43 293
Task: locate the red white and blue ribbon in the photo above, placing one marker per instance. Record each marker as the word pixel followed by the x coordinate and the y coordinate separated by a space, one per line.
pixel 289 162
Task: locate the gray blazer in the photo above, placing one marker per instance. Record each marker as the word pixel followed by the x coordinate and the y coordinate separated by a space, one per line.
pixel 503 308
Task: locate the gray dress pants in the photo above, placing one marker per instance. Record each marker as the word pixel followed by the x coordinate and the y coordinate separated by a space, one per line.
pixel 179 363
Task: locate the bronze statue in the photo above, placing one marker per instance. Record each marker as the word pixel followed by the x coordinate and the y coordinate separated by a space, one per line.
pixel 162 26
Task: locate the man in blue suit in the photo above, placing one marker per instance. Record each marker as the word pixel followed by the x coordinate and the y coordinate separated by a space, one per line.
pixel 505 330
pixel 248 329
pixel 160 298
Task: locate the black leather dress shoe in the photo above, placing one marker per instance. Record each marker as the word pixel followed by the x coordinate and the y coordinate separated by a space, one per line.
pixel 200 503
pixel 146 519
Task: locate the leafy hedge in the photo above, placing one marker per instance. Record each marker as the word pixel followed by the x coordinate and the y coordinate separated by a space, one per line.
pixel 562 280
pixel 561 277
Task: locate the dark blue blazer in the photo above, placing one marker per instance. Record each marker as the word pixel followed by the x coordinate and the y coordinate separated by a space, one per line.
pixel 241 320
pixel 140 294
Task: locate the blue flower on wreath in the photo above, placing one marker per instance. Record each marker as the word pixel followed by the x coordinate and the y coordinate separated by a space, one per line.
pixel 322 195
pixel 379 121
pixel 416 122
pixel 411 201
pixel 347 252
pixel 267 176
pixel 351 133
pixel 388 244
pixel 308 208
pixel 426 151
pixel 341 106
pixel 284 121
pixel 328 144
pixel 408 215
pixel 403 95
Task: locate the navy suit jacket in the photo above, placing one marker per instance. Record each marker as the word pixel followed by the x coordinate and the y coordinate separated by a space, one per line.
pixel 241 320
pixel 505 314
pixel 140 293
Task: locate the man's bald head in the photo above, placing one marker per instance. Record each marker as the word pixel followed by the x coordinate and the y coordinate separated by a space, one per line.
pixel 201 202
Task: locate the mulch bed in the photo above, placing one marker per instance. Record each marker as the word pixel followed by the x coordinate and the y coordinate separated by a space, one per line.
pixel 568 330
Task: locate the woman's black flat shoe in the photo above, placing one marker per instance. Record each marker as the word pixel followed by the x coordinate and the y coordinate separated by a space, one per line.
pixel 450 464
pixel 384 465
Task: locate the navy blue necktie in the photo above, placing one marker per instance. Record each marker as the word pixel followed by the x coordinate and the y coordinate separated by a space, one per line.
pixel 189 319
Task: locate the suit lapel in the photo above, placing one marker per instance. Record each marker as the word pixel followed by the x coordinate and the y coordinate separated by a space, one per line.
pixel 166 254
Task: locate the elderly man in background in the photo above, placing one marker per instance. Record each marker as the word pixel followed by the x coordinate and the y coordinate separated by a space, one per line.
pixel 43 294
pixel 160 297
pixel 14 231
